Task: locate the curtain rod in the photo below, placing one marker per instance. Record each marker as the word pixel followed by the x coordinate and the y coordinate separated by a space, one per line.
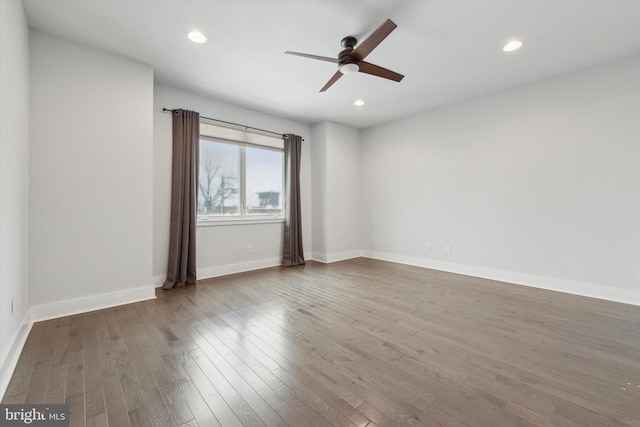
pixel 168 110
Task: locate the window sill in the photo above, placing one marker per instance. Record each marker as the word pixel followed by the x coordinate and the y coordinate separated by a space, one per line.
pixel 238 221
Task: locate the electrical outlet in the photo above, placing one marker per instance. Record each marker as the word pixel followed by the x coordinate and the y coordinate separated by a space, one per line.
pixel 250 249
pixel 447 249
pixel 429 247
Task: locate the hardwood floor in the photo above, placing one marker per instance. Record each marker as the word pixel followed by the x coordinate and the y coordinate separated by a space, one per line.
pixel 354 343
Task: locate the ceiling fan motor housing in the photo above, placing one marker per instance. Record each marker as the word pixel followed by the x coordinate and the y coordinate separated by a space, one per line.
pixel 349 42
pixel 345 56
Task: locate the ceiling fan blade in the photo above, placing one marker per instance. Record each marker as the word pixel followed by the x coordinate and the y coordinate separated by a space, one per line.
pixel 374 70
pixel 331 81
pixel 364 48
pixel 306 55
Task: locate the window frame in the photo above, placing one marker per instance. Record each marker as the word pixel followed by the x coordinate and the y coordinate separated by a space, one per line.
pixel 244 217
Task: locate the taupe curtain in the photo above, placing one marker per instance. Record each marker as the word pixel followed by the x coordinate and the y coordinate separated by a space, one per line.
pixel 181 270
pixel 292 252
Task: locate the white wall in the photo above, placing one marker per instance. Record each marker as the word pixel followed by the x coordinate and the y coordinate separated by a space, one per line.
pixel 336 191
pixel 343 201
pixel 90 178
pixel 220 249
pixel 14 183
pixel 539 185
pixel 319 189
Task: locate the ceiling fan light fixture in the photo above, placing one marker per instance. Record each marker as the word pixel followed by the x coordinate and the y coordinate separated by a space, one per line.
pixel 351 59
pixel 358 102
pixel 512 45
pixel 197 37
pixel 349 68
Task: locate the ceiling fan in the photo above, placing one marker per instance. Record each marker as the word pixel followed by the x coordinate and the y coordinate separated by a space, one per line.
pixel 351 59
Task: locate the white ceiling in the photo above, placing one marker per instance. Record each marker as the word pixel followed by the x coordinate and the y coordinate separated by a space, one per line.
pixel 449 50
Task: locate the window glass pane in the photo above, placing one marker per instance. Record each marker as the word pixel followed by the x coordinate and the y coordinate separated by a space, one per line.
pixel 264 181
pixel 218 184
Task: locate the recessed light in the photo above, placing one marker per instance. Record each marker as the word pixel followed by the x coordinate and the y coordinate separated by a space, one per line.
pixel 358 102
pixel 512 45
pixel 197 37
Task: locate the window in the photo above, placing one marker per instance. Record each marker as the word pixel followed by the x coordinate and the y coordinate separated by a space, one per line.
pixel 239 180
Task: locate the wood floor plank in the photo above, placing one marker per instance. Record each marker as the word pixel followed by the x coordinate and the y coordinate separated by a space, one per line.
pixel 175 361
pixel 47 344
pixel 93 386
pixel 99 420
pixel 16 399
pixel 56 384
pixel 201 411
pixel 314 401
pixel 398 409
pixel 108 354
pixel 176 403
pixel 297 411
pixel 158 411
pixel 117 414
pixel 34 364
pixel 138 355
pixel 236 402
pixel 75 357
pixel 76 410
pixel 153 359
pixel 257 375
pixel 347 362
pixel 327 395
pixel 140 417
pixel 61 342
pixel 38 384
pixel 236 380
pixel 222 411
pixel 360 343
pixel 293 410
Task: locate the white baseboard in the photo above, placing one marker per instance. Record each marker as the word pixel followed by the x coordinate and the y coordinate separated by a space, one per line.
pixel 158 280
pixel 335 257
pixel 319 257
pixel 560 285
pixel 95 302
pixel 10 359
pixel 223 270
